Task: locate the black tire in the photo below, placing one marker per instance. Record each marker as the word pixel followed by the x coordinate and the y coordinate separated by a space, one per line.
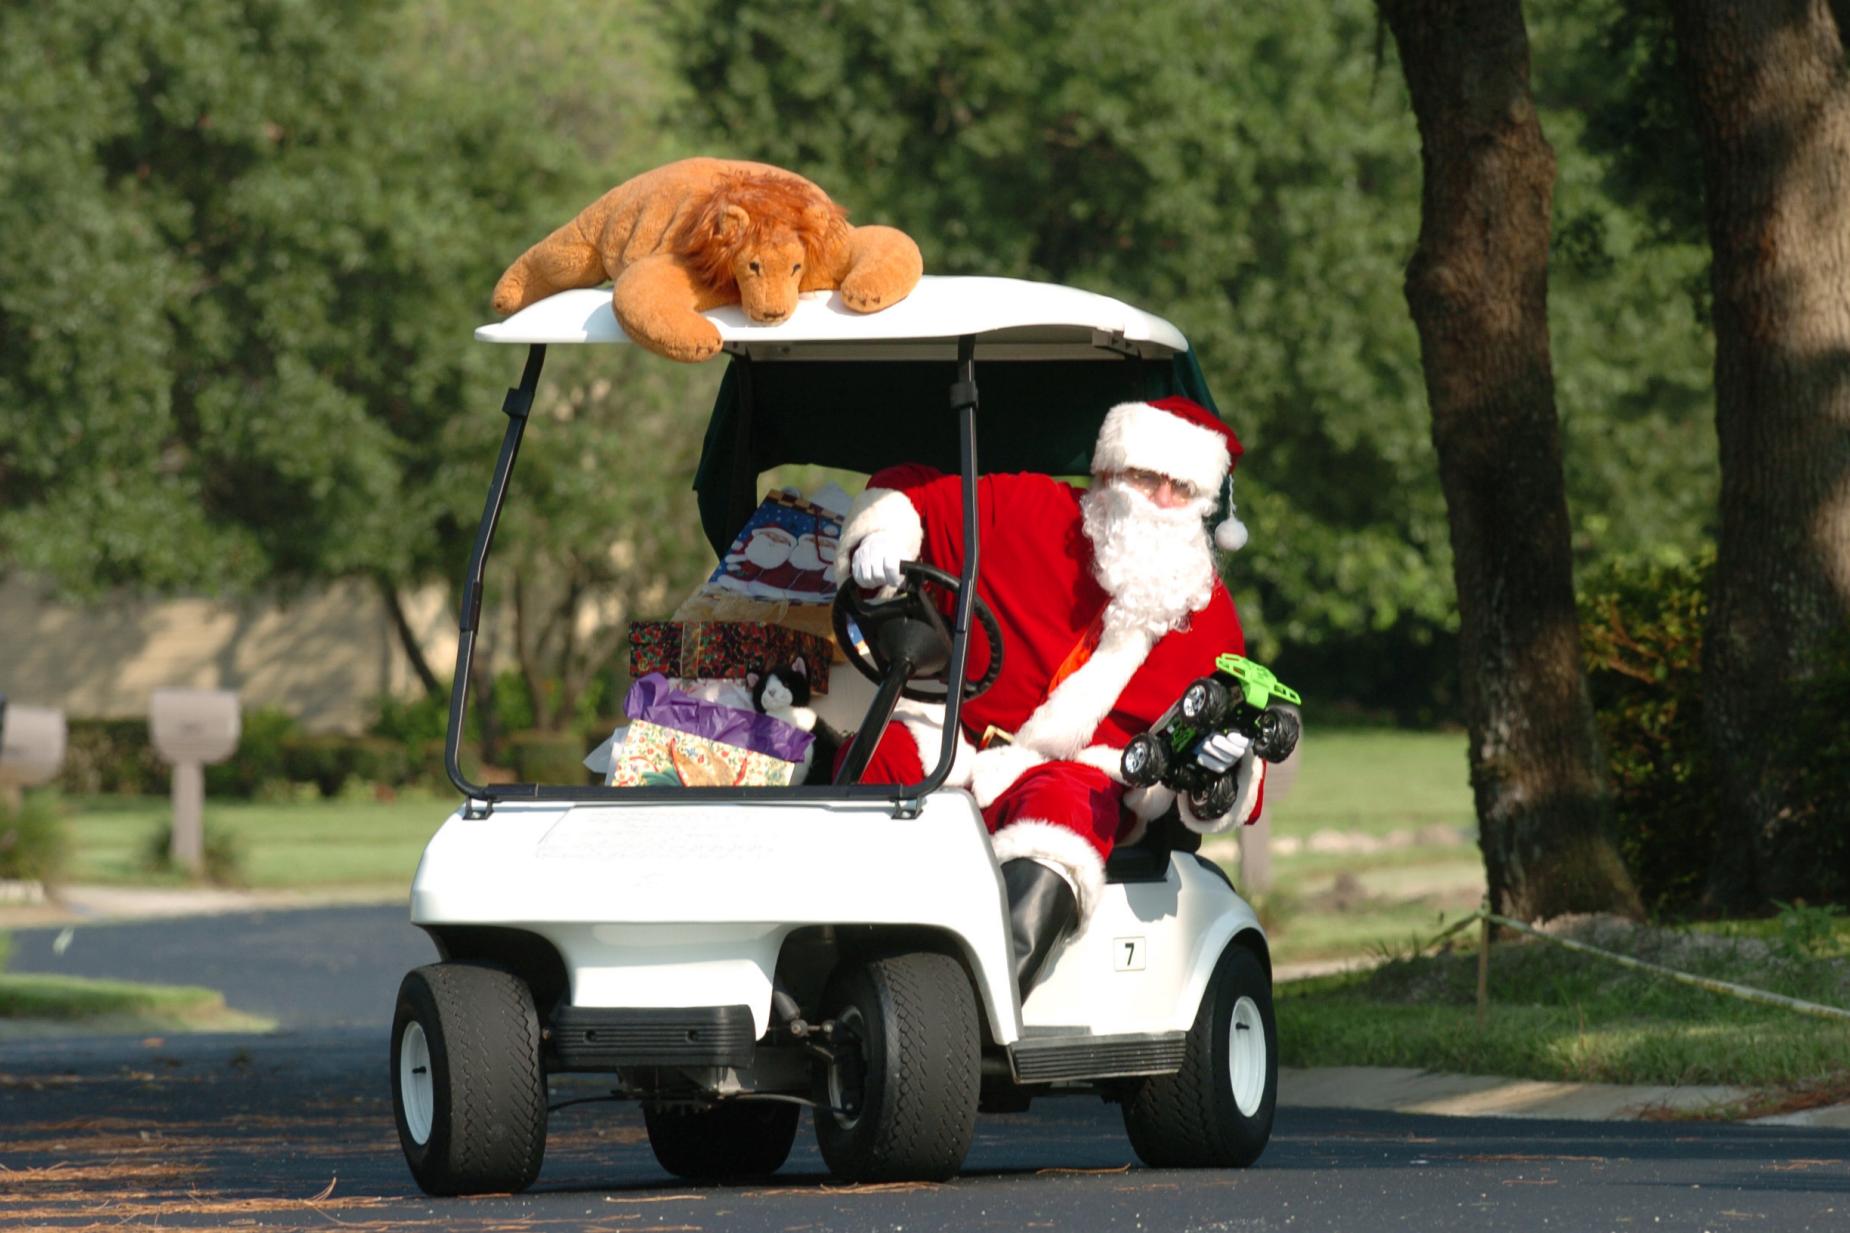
pixel 899 1103
pixel 477 1111
pixel 726 1142
pixel 1145 760
pixel 1194 1118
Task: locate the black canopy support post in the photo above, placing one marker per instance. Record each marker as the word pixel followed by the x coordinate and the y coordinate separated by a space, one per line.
pixel 963 406
pixel 517 406
pixel 743 498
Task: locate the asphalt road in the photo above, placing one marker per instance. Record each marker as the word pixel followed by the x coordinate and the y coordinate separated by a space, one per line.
pixel 304 968
pixel 295 1130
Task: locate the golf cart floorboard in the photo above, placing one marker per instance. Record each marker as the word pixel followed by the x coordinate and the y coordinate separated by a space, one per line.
pixel 1056 1059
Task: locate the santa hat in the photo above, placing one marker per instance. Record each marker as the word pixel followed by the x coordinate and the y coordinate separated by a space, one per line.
pixel 1179 438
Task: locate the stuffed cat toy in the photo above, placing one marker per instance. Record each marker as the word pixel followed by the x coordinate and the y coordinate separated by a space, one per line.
pixel 782 692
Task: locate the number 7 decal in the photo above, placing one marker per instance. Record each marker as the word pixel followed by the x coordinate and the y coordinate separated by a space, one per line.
pixel 1127 954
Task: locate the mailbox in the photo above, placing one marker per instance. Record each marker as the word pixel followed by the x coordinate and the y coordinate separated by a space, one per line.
pixel 194 725
pixel 31 743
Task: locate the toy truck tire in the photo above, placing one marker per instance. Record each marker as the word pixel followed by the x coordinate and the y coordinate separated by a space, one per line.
pixel 1279 729
pixel 1216 798
pixel 468 1087
pixel 1216 1112
pixel 899 1102
pixel 732 1141
pixel 1145 761
pixel 1206 702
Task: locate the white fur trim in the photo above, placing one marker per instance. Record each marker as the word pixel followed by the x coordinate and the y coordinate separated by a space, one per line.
pixel 925 721
pixel 1146 806
pixel 1138 435
pixel 1103 758
pixel 1064 722
pixel 994 771
pixel 1051 843
pixel 1149 804
pixel 1246 780
pixel 879 509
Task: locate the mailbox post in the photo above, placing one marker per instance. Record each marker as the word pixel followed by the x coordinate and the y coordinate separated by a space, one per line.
pixel 191 728
pixel 31 747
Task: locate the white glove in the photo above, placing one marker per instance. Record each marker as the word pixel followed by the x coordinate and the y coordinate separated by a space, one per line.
pixel 877 559
pixel 1222 750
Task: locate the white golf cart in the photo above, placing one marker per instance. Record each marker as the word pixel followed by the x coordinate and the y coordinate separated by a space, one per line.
pixel 728 956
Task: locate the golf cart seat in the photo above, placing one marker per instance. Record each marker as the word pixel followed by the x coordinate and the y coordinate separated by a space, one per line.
pixel 1147 860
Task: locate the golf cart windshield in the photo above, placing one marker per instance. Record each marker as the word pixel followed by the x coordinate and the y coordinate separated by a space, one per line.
pixel 861 391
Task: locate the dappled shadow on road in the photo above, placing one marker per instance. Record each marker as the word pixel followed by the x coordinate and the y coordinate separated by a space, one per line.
pixel 297 1131
pixel 1537 1151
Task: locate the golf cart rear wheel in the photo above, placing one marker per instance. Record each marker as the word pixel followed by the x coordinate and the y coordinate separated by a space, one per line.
pixel 1216 1112
pixel 725 1142
pixel 898 1100
pixel 468 1089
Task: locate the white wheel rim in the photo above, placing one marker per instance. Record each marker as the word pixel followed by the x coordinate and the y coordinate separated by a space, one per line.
pixel 417 1091
pixel 1246 1056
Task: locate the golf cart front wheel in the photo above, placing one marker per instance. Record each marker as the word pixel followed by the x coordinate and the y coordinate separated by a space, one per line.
pixel 468 1089
pixel 898 1097
pixel 1216 1112
pixel 722 1143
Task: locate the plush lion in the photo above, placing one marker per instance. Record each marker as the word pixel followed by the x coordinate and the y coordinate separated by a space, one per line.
pixel 703 232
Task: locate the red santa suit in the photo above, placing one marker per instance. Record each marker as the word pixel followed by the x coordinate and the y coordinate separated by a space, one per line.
pixel 1073 688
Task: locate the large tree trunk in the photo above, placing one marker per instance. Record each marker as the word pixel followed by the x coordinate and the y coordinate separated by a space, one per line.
pixel 1478 290
pixel 1772 105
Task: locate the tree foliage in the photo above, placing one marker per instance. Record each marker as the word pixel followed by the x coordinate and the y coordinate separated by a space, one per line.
pixel 243 244
pixel 1254 177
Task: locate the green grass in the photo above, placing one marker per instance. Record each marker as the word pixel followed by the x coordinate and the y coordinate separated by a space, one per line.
pixel 306 843
pixel 1383 785
pixel 1554 1014
pixel 1375 780
pixel 70 999
pixel 33 1004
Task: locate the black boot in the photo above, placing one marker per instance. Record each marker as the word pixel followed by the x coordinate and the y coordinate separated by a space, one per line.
pixel 1041 909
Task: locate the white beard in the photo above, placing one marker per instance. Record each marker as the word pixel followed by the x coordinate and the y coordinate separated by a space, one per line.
pixel 1156 564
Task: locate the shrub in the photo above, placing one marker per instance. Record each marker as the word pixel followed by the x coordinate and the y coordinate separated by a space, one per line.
pixel 1642 633
pixel 224 853
pixel 260 760
pixel 415 722
pixel 330 761
pixel 34 842
pixel 111 757
pixel 548 757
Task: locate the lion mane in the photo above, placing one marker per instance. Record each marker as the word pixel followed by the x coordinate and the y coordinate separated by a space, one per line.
pixel 774 203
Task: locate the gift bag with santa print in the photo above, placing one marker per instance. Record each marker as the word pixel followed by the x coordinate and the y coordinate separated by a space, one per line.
pixel 785 551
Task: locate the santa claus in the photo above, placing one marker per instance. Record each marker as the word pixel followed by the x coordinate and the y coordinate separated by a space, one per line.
pixel 1109 605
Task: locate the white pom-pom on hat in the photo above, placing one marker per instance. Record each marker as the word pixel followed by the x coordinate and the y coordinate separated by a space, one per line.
pixel 1177 437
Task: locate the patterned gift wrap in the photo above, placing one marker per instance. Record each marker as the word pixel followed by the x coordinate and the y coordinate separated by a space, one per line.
pixel 654 756
pixel 785 550
pixel 710 649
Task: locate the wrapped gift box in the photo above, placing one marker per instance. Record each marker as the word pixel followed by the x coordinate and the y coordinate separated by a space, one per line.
pixel 652 755
pixel 676 738
pixel 725 649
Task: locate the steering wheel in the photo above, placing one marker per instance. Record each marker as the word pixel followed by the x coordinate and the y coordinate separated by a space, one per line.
pixel 908 625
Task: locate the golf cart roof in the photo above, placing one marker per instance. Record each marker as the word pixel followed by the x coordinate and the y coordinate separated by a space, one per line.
pixel 1010 317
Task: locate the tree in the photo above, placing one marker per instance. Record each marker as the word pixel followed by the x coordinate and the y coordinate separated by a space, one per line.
pixel 1250 176
pixel 1477 286
pixel 243 244
pixel 1770 88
